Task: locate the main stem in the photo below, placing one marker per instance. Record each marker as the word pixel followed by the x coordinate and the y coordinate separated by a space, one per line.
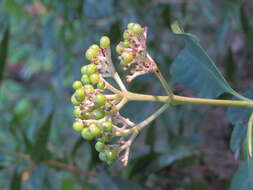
pixel 179 100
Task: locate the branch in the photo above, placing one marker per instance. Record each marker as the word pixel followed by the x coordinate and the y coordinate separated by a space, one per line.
pixel 53 163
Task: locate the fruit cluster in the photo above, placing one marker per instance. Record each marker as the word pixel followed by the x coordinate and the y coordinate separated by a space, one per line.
pixel 93 108
pixel 133 53
pixel 97 112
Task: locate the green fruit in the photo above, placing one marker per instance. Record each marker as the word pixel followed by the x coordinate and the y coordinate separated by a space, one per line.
pixel 106 138
pixel 94 47
pixel 99 146
pixel 79 95
pixel 125 35
pixel 74 101
pixel 91 53
pixel 77 84
pixel 84 69
pixel 119 49
pixel 130 25
pixel 94 129
pixel 127 57
pixel 77 112
pixel 137 29
pixel 87 134
pixel 100 99
pixel 107 126
pixel 104 41
pixel 111 155
pixel 102 156
pixel 94 78
pixel 98 114
pixel 126 44
pixel 88 89
pixel 101 85
pixel 78 126
pixel 86 79
pixel 92 68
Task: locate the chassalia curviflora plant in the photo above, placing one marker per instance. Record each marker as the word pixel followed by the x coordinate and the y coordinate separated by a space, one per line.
pixel 97 103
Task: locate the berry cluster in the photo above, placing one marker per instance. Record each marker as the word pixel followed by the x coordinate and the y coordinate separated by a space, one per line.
pixel 133 53
pixel 93 108
pixel 96 111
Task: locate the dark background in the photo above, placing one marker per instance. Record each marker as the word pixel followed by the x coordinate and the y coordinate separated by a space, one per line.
pixel 186 148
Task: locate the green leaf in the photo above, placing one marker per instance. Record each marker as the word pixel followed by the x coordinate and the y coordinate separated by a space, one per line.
pixel 3 51
pixel 15 181
pixel 237 136
pixel 150 138
pixel 241 179
pixel 67 184
pixel 141 163
pixel 39 151
pixel 194 68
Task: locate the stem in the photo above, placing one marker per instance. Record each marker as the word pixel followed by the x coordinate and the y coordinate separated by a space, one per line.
pixel 53 163
pixel 178 100
pixel 119 81
pixel 164 83
pixel 249 135
pixel 144 123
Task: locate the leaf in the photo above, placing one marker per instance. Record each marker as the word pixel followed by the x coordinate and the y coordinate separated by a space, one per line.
pixel 141 163
pixel 39 151
pixel 3 51
pixel 237 136
pixel 194 68
pixel 79 142
pixel 150 138
pixel 15 181
pixel 241 179
pixel 67 184
pixel 240 115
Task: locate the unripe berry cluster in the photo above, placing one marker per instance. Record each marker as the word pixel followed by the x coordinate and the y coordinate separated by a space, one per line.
pixel 133 53
pixel 97 112
pixel 93 108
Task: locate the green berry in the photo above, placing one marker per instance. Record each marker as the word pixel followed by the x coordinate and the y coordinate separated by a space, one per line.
pixel 77 84
pixel 102 156
pixel 94 129
pixel 77 112
pixel 111 155
pixel 119 49
pixel 130 25
pixel 99 146
pixel 106 138
pixel 100 99
pixel 137 29
pixel 86 79
pixel 74 101
pixel 127 57
pixel 104 41
pixel 94 47
pixel 126 44
pixel 101 85
pixel 79 95
pixel 91 53
pixel 125 35
pixel 87 134
pixel 88 89
pixel 94 78
pixel 84 69
pixel 107 126
pixel 78 126
pixel 92 68
pixel 98 114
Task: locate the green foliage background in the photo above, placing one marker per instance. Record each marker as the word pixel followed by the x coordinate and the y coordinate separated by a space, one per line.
pixel 186 148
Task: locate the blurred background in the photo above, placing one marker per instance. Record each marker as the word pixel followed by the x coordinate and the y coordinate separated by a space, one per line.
pixel 186 148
